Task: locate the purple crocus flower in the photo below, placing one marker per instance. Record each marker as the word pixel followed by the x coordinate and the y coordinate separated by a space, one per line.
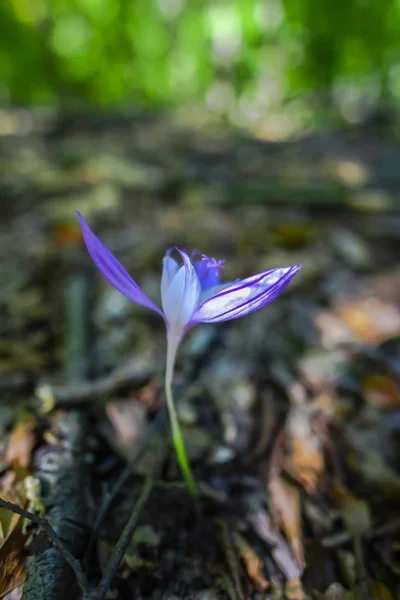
pixel 191 291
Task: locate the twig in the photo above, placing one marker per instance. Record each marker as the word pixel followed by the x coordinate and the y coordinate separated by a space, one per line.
pixel 47 528
pixel 231 559
pixel 122 545
pixel 14 381
pixel 137 371
pixel 128 470
pixel 224 586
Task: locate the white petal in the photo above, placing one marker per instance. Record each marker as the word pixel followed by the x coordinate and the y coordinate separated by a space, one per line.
pixel 182 297
pixel 170 268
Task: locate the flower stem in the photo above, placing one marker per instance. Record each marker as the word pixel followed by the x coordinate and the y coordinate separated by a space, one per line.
pixel 179 443
pixel 177 437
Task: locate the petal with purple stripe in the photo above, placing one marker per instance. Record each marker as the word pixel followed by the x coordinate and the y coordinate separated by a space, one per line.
pixel 244 296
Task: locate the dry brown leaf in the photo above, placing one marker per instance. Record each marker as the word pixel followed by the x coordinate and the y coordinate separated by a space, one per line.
pixel 382 391
pixel 366 312
pixel 12 560
pixel 253 564
pixel 129 420
pixel 281 553
pixel 21 442
pixel 285 505
pixel 333 331
pixel 150 395
pixel 294 590
pixel 305 432
pixel 305 462
pixel 129 417
pixel 371 320
pixel 12 539
pixel 11 490
pixel 8 522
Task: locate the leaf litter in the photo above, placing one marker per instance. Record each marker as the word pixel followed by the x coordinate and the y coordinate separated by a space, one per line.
pixel 290 417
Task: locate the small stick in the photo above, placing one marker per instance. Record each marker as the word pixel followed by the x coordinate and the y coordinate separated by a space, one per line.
pixel 81 392
pixel 47 528
pixel 231 559
pixel 122 545
pixel 128 470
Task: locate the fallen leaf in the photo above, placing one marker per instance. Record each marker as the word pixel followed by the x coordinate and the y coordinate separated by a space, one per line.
pixel 34 495
pixel 379 591
pixel 150 395
pixel 253 564
pixel 12 559
pixel 333 331
pixel 280 550
pixel 285 508
pixel 128 418
pixel 348 567
pixel 15 494
pixel 371 319
pixel 14 594
pixel 136 562
pixel 8 522
pixel 305 437
pixel 21 441
pixel 355 512
pixel 376 473
pixel 144 535
pixel 335 592
pixel 365 310
pixel 294 590
pixel 382 391
pixel 12 540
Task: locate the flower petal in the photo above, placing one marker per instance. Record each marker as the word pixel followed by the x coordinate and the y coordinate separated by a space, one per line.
pixel 170 268
pixel 112 270
pixel 182 297
pixel 208 271
pixel 244 296
pixel 212 291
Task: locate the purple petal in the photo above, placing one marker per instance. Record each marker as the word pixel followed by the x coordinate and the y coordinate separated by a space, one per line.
pixel 112 270
pixel 208 271
pixel 244 296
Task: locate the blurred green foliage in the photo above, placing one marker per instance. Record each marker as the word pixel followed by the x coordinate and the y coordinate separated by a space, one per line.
pixel 233 55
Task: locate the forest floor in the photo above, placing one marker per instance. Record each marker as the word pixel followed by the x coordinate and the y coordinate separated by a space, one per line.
pixel 290 416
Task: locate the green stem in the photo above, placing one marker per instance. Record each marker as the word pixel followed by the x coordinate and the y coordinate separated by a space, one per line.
pixel 177 437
